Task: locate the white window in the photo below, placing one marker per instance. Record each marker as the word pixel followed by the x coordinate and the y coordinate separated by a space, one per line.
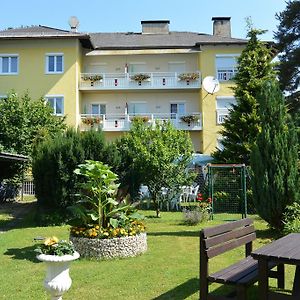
pixel 177 108
pixel 226 66
pixel 98 109
pixel 220 145
pixel 223 104
pixel 54 63
pixel 9 64
pixel 137 67
pixel 57 104
pixel 137 108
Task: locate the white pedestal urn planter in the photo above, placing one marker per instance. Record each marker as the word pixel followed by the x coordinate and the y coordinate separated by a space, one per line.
pixel 57 279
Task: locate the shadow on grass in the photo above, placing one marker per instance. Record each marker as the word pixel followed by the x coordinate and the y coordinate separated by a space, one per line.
pixel 182 291
pixel 175 233
pixel 21 215
pixel 268 233
pixel 26 253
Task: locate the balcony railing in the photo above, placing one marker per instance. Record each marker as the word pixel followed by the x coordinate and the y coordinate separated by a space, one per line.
pixel 225 75
pixel 123 122
pixel 156 80
pixel 222 114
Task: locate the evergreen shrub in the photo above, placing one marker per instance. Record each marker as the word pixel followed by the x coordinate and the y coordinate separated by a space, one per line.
pixel 55 160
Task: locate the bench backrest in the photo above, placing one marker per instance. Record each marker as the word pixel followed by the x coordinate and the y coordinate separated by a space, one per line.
pixel 222 238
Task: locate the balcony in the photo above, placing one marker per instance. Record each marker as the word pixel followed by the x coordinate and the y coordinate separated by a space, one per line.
pixel 222 114
pixel 125 81
pixel 123 122
pixel 226 75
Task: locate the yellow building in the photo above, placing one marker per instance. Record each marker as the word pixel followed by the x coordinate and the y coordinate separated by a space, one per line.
pixel 107 79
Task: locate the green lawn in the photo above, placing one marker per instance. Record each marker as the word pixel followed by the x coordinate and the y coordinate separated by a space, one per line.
pixel 169 269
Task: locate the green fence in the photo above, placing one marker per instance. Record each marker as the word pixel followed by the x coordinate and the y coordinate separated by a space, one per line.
pixel 229 188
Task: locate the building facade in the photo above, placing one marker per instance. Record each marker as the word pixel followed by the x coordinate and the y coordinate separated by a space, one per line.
pixel 107 80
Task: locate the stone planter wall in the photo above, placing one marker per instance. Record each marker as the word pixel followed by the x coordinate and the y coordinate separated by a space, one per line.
pixel 111 248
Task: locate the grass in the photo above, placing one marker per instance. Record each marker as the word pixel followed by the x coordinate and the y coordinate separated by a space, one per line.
pixel 168 270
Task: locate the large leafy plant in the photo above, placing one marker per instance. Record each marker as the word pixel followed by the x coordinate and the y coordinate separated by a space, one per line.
pixel 97 203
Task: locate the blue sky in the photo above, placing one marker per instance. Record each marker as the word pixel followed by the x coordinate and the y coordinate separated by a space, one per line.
pixel 125 15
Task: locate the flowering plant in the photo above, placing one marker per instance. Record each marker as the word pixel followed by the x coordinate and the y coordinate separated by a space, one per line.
pixel 92 77
pixel 189 118
pixel 92 121
pixel 54 246
pixel 140 77
pixel 94 231
pixel 188 76
pixel 204 202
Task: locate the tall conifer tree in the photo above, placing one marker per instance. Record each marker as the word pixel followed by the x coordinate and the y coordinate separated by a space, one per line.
pixel 275 179
pixel 243 124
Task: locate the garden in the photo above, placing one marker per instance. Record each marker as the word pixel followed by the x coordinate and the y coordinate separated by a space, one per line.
pixel 88 213
pixel 168 270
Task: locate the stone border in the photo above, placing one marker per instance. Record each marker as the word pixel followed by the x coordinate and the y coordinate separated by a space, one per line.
pixel 121 247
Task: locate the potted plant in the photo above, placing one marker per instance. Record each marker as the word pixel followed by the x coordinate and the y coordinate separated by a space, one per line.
pixel 57 254
pixel 188 77
pixel 92 78
pixel 140 77
pixel 102 227
pixel 189 119
pixel 91 121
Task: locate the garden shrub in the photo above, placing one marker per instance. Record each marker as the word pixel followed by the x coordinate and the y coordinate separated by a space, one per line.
pixel 291 219
pixel 56 159
pixel 194 216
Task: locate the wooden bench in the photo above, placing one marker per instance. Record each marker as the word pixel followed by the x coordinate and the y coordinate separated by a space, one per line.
pixel 219 239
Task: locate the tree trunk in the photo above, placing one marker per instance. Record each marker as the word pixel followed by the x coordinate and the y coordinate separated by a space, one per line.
pixel 156 206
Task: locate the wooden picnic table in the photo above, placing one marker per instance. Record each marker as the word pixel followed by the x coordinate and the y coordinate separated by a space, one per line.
pixel 285 250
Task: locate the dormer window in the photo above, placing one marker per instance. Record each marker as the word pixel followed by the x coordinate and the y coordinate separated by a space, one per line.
pixel 54 63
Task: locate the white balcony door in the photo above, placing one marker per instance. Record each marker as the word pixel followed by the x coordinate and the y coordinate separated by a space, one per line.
pixel 97 68
pixel 137 67
pixel 136 108
pixel 177 108
pixel 98 109
pixel 177 67
pixel 223 104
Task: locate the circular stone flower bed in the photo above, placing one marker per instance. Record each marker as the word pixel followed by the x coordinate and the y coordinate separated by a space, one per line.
pixel 121 247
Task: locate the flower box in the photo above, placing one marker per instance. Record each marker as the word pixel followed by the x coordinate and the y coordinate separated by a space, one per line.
pixel 92 78
pixel 188 76
pixel 140 77
pixel 189 119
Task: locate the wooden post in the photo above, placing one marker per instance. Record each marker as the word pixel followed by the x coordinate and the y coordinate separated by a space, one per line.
pixel 263 280
pixel 203 270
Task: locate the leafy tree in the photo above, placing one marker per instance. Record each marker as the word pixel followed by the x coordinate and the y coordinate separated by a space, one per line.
pixel 274 157
pixel 24 123
pixel 156 156
pixel 288 45
pixel 243 124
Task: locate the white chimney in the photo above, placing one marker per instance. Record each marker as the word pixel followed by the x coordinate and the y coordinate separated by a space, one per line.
pixel 155 27
pixel 221 26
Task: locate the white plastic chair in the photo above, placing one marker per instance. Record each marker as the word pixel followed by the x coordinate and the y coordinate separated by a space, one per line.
pixel 193 194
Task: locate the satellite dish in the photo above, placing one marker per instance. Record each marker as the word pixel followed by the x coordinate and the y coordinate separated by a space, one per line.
pixel 74 23
pixel 211 84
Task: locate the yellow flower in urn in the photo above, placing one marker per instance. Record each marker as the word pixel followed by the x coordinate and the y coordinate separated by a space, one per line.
pixel 51 241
